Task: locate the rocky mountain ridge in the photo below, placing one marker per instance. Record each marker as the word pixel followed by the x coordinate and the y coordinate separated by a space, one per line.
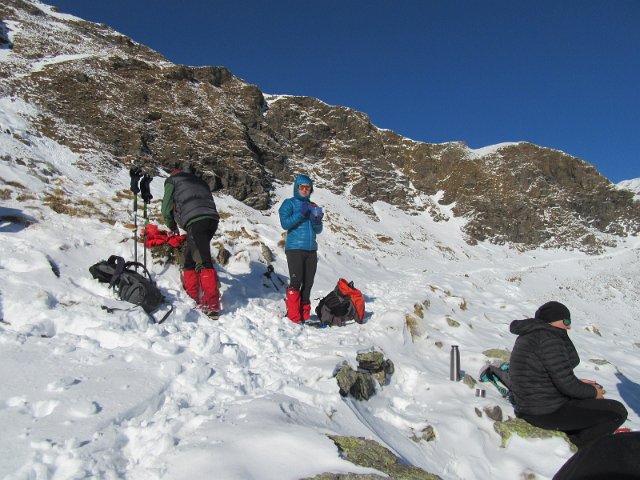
pixel 108 97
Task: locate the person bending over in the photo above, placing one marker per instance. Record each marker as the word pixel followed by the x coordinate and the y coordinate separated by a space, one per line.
pixel 188 203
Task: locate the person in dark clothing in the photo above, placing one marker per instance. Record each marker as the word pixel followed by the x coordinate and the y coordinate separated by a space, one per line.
pixel 188 203
pixel 302 220
pixel 546 392
pixel 614 457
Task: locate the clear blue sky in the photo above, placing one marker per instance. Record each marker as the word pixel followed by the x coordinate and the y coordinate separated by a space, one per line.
pixel 563 74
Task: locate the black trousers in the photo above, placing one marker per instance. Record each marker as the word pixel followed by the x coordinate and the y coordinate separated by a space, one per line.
pixel 583 420
pixel 302 271
pixel 199 235
pixel 611 457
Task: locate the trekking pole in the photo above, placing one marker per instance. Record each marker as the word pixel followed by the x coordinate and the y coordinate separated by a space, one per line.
pixel 268 275
pixel 146 197
pixel 136 175
pixel 278 277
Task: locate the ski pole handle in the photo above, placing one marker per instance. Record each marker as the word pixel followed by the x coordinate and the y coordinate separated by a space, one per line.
pixel 136 175
pixel 145 189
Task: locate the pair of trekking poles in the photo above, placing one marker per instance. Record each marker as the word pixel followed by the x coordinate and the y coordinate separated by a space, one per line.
pixel 140 184
pixel 268 274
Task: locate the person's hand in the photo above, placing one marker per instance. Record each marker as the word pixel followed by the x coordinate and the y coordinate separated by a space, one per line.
pixel 586 380
pixel 174 233
pixel 305 208
pixel 599 391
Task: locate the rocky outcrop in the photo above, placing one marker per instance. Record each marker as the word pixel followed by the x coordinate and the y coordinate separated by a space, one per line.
pixel 4 36
pixel 518 194
pixel 125 102
pixel 372 369
pixel 370 454
pixel 113 100
pixel 523 429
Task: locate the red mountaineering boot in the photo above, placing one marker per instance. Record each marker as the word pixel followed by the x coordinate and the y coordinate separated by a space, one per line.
pixel 306 311
pixel 191 283
pixel 210 303
pixel 293 305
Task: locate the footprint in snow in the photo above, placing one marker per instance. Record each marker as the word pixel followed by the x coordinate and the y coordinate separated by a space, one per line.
pixel 44 408
pixel 62 384
pixel 37 409
pixel 85 408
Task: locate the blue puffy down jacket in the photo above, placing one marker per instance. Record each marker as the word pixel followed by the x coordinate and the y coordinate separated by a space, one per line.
pixel 301 233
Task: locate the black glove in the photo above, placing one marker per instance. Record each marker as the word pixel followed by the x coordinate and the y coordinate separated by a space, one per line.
pixel 144 188
pixel 136 175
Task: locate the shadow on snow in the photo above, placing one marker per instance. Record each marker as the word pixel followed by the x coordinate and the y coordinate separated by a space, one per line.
pixel 630 392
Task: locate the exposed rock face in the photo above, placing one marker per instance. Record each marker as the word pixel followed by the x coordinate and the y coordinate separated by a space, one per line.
pixel 519 193
pixel 104 95
pixel 123 100
pixel 4 36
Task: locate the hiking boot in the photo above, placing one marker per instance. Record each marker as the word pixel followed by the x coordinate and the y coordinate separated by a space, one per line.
pixel 209 312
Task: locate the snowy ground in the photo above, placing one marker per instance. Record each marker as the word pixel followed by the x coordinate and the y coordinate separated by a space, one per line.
pixel 85 393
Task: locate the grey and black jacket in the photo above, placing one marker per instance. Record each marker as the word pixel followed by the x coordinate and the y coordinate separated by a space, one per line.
pixel 187 198
pixel 541 368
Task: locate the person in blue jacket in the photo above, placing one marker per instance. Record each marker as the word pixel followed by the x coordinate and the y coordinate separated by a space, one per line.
pixel 302 220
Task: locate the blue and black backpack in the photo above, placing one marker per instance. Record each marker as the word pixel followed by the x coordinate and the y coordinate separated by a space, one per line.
pixel 498 376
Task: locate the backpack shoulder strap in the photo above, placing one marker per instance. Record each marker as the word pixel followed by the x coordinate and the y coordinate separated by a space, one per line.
pixel 138 264
pixel 115 309
pixel 118 267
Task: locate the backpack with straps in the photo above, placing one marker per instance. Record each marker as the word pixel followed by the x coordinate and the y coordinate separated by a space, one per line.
pixel 342 304
pixel 128 284
pixel 498 376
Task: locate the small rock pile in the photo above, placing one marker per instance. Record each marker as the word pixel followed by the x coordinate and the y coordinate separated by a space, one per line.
pixel 361 383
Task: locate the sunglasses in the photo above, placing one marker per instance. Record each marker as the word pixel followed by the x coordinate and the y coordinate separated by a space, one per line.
pixel 304 187
pixel 566 321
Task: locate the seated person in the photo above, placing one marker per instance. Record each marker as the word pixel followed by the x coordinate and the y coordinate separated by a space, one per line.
pixel 546 392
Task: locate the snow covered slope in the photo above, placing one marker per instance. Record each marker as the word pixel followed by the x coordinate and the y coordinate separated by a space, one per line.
pixel 86 393
pixel 633 185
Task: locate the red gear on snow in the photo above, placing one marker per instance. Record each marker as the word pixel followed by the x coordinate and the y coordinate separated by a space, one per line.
pixel 355 296
pixel 191 283
pixel 292 302
pixel 154 236
pixel 306 311
pixel 210 301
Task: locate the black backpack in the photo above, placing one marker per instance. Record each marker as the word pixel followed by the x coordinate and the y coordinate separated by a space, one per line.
pixel 129 285
pixel 344 303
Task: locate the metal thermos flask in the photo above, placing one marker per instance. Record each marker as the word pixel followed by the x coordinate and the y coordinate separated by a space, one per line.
pixel 454 365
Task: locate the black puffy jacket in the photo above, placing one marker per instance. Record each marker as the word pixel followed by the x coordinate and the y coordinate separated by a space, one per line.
pixel 541 368
pixel 186 198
